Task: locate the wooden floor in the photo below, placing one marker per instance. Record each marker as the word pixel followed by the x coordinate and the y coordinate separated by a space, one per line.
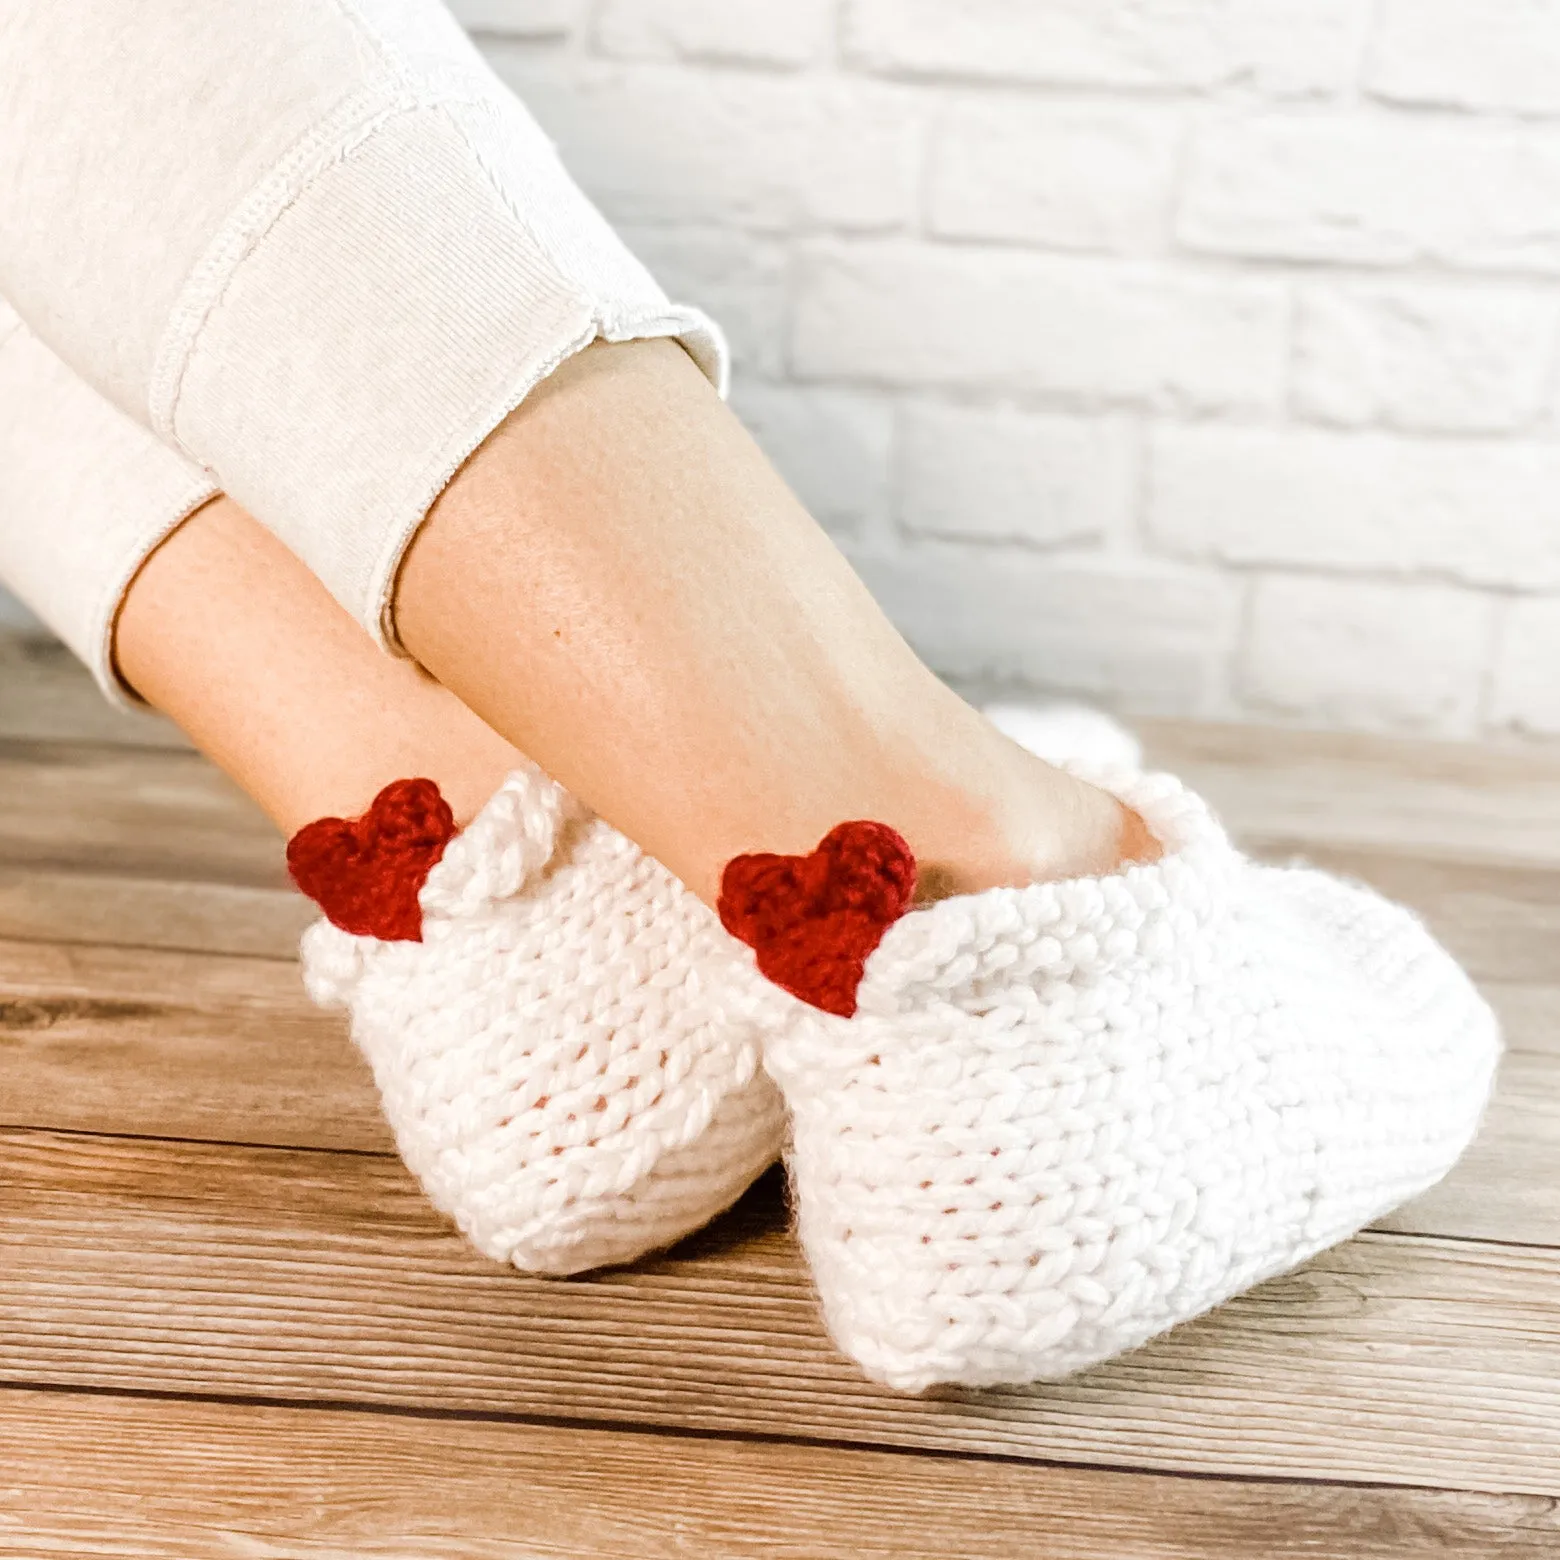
pixel 229 1325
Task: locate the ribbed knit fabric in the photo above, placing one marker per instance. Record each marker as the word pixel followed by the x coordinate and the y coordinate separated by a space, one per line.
pixel 86 495
pixel 317 247
pixel 563 1056
pixel 1069 1116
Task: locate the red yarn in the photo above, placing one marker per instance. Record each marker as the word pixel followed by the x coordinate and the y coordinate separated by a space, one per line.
pixel 365 873
pixel 813 920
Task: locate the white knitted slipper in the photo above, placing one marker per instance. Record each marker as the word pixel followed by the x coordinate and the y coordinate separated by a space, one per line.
pixel 1071 736
pixel 1051 1122
pixel 548 1015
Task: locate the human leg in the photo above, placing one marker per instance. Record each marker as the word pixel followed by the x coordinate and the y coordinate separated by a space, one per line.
pixel 226 633
pixel 339 442
pixel 544 1007
pixel 319 247
pixel 621 581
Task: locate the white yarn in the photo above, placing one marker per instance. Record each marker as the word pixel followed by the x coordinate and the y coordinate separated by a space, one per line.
pixel 565 1058
pixel 1069 1116
pixel 1068 735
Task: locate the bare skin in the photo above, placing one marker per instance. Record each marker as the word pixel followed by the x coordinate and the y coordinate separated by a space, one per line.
pixel 618 584
pixel 230 636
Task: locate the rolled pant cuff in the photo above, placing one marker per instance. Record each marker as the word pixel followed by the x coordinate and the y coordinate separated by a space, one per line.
pixel 86 495
pixel 376 309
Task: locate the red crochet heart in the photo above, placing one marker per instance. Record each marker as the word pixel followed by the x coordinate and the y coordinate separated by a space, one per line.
pixel 365 873
pixel 813 920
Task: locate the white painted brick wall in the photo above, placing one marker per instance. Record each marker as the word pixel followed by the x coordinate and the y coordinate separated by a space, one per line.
pixel 1470 54
pixel 1000 616
pixel 658 143
pixel 1423 359
pixel 1287 47
pixel 1479 512
pixel 998 475
pixel 1087 332
pixel 1053 175
pixel 1376 189
pixel 1359 653
pixel 1526 692
pixel 1193 355
pixel 758 32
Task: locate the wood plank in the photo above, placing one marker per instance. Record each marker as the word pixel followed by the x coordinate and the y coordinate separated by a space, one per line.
pixel 95 842
pixel 142 848
pixel 1504 1187
pixel 225 1270
pixel 164 1044
pixel 1502 923
pixel 1431 826
pixel 46 694
pixel 178 1045
pixel 47 904
pixel 1271 783
pixel 131 812
pixel 1279 789
pixel 157 1479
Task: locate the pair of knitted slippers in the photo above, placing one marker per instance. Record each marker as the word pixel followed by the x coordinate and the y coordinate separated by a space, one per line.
pixel 1028 1128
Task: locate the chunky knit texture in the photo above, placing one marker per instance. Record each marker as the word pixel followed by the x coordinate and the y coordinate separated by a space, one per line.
pixel 563 1055
pixel 812 921
pixel 1069 1116
pixel 1072 736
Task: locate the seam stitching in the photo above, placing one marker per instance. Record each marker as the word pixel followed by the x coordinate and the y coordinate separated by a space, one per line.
pixel 332 139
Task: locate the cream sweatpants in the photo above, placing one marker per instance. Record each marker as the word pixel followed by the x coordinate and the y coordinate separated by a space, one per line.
pixel 306 252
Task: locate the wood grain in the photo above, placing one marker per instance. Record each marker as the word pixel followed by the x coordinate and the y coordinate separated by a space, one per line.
pixel 160 1043
pixel 1502 923
pixel 131 812
pixel 150 848
pixel 47 904
pixel 157 1479
pixel 167 1044
pixel 1279 789
pixel 45 694
pixel 223 1270
pixel 198 1196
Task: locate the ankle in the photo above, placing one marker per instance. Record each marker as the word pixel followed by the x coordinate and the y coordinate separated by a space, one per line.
pixel 1007 818
pixel 977 810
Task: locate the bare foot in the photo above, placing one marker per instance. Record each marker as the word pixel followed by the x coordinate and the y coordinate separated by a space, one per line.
pixel 621 585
